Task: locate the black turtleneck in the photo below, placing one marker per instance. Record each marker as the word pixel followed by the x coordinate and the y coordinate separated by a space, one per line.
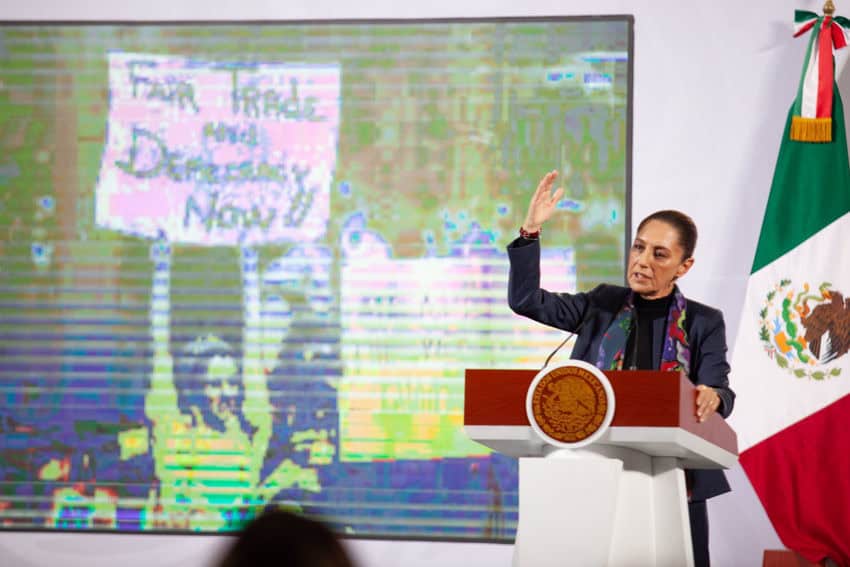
pixel 648 311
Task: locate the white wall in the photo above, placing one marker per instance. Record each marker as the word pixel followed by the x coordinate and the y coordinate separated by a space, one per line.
pixel 713 82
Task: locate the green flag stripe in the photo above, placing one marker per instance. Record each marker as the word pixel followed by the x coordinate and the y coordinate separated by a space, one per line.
pixel 801 16
pixel 810 189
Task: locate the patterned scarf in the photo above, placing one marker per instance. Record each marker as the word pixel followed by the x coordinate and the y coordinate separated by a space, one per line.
pixel 676 354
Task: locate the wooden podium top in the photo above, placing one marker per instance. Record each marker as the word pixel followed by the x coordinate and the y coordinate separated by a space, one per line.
pixel 648 403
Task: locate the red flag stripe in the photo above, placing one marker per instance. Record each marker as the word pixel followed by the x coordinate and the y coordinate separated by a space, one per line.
pixel 839 40
pixel 825 70
pixel 805 28
pixel 801 477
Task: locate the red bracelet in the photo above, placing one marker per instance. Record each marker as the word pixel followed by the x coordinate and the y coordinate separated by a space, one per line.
pixel 529 235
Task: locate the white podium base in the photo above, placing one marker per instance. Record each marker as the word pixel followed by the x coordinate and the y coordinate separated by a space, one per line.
pixel 602 506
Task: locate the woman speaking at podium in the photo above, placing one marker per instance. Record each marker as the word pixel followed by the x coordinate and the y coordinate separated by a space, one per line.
pixel 649 325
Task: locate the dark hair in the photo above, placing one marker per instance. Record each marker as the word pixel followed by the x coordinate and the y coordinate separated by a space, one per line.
pixel 190 372
pixel 683 224
pixel 278 537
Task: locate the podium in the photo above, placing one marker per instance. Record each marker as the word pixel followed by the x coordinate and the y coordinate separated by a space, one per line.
pixel 619 501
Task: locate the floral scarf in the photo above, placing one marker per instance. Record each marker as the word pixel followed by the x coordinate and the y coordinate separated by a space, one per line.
pixel 676 354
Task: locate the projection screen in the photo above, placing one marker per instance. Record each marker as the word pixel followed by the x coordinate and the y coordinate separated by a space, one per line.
pixel 246 264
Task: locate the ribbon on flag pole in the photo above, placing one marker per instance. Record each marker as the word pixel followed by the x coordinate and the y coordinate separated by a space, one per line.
pixel 812 119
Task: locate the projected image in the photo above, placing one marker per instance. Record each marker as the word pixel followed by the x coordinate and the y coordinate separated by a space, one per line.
pixel 247 265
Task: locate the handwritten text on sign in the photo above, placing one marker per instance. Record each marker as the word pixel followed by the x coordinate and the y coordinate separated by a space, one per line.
pixel 218 153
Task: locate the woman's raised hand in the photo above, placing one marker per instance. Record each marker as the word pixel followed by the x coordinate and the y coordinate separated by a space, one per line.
pixel 543 203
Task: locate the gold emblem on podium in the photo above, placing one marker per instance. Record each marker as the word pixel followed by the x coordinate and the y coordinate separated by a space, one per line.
pixel 569 405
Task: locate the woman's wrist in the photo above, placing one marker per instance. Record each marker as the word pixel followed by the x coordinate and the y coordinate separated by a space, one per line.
pixel 524 232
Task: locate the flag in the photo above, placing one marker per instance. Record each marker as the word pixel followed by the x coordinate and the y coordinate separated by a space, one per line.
pixel 791 367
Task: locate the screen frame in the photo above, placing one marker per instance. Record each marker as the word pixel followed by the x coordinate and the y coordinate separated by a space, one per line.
pixel 628 19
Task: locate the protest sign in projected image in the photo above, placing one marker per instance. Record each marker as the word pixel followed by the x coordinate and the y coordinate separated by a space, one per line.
pixel 218 153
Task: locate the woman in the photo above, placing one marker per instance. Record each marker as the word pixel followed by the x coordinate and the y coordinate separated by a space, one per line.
pixel 211 420
pixel 647 325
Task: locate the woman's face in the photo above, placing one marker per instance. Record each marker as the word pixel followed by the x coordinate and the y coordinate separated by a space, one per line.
pixel 656 260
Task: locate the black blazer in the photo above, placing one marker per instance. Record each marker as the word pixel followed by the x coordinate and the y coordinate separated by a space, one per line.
pixel 591 313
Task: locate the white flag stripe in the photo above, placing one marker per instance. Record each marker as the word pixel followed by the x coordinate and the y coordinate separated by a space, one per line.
pixel 771 398
pixel 808 106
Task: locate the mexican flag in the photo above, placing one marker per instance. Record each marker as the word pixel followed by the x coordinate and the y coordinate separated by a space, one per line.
pixel 791 367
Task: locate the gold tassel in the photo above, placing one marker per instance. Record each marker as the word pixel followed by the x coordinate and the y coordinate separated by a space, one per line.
pixel 811 129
